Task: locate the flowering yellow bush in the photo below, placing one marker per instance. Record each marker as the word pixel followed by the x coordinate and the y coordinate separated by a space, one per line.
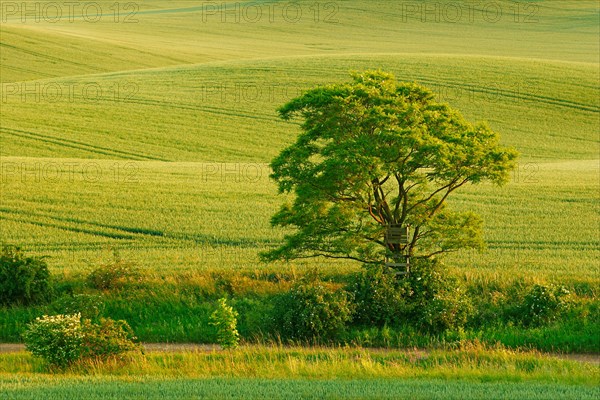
pixel 58 338
pixel 64 339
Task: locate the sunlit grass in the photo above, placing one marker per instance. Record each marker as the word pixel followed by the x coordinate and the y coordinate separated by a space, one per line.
pixel 473 361
pixel 302 373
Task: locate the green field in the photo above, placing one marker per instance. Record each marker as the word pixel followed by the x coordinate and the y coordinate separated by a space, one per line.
pixel 147 129
pixel 186 216
pixel 99 388
pixel 185 103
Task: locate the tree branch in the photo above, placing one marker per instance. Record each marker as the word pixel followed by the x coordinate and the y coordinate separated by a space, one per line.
pixel 385 205
pixel 380 201
pixel 440 252
pixel 413 242
pixel 379 220
pixel 433 194
pixel 346 257
pixel 450 190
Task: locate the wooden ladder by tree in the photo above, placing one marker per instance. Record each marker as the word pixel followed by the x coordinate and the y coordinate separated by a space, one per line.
pixel 396 239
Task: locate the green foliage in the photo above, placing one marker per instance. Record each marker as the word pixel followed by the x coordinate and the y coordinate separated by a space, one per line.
pixel 528 304
pixel 108 338
pixel 160 312
pixel 449 309
pixel 64 339
pixel 428 298
pixel 437 301
pixel 379 297
pixel 88 305
pixel 312 311
pixel 224 318
pixel 115 274
pixel 57 339
pixel 23 280
pixel 542 305
pixel 255 319
pixel 376 152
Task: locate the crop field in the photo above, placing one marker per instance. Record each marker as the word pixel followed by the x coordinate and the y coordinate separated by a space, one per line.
pixel 189 123
pixel 147 128
pixel 205 216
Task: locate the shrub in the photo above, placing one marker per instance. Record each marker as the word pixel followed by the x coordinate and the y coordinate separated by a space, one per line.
pixel 224 318
pixel 312 310
pixel 449 309
pixel 63 339
pixel 427 298
pixel 88 305
pixel 379 297
pixel 255 317
pixel 114 274
pixel 436 301
pixel 23 280
pixel 57 339
pixel 108 338
pixel 543 304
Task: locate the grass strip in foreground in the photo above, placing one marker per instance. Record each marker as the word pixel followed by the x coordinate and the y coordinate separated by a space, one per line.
pixel 227 388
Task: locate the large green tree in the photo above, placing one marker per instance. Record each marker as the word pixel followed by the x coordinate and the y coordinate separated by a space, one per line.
pixel 375 152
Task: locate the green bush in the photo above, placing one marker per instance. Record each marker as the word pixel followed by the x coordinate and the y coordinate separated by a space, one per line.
pixel 108 338
pixel 254 321
pixel 88 305
pixel 64 339
pixel 57 339
pixel 449 309
pixel 23 280
pixel 224 318
pixel 427 298
pixel 115 274
pixel 542 305
pixel 312 310
pixel 379 297
pixel 436 300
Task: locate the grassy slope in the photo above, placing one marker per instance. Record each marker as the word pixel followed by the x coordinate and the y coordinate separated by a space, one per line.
pixel 536 83
pixel 179 32
pixel 171 114
pixel 162 114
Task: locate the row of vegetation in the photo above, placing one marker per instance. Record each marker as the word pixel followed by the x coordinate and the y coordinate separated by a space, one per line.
pixel 368 308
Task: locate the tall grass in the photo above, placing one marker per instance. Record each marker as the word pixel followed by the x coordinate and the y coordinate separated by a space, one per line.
pixel 473 362
pixel 471 372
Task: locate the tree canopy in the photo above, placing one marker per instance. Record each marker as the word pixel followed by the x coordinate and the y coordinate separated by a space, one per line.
pixel 375 152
